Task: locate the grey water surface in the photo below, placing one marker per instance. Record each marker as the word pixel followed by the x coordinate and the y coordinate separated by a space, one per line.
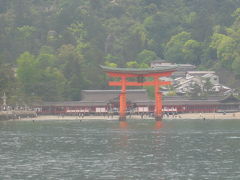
pixel 180 149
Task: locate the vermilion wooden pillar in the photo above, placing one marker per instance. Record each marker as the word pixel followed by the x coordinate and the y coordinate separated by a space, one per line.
pixel 123 100
pixel 158 99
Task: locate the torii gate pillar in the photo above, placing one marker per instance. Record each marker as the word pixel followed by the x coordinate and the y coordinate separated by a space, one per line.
pixel 123 101
pixel 158 100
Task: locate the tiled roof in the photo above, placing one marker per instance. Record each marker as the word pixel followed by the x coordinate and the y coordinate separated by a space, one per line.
pixel 140 71
pixel 140 97
pixel 107 95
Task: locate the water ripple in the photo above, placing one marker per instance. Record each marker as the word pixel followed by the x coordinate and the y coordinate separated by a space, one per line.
pixel 102 150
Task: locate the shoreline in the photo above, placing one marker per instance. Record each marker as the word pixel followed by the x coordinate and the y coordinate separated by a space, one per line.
pixel 188 116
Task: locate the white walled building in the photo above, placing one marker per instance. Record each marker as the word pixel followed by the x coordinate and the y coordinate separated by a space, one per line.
pixel 186 76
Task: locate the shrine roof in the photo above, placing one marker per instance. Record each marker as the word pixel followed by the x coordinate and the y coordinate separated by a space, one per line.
pixel 140 71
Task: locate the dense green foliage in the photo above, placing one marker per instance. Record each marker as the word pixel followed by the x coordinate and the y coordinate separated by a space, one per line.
pixel 57 45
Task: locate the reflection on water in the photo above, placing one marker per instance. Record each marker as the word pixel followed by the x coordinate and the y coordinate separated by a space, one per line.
pixel 158 124
pixel 111 150
pixel 123 137
pixel 123 124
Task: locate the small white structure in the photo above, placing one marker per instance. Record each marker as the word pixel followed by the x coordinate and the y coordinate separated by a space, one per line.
pixel 204 75
pixel 214 79
pixel 222 89
pixel 199 73
pixel 186 86
pixel 142 109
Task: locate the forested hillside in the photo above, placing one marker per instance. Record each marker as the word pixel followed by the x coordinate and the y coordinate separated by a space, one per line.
pixel 51 49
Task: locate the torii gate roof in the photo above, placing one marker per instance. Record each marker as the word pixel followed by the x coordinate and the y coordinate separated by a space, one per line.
pixel 140 71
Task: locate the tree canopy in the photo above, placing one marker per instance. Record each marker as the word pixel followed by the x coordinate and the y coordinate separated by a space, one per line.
pixel 51 49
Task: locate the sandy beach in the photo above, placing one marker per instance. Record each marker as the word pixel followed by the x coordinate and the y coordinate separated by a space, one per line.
pixel 205 116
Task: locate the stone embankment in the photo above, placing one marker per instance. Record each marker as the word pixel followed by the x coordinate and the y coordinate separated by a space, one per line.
pixel 7 115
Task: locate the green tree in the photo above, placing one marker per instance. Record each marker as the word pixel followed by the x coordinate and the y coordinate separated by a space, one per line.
pixel 132 64
pixel 79 33
pixel 192 51
pixel 174 47
pixel 160 27
pixel 135 64
pixel 236 65
pixel 225 47
pixel 7 79
pixel 110 64
pixel 111 58
pixel 27 72
pixel 146 56
pixel 38 78
pixel 50 85
pixel 71 64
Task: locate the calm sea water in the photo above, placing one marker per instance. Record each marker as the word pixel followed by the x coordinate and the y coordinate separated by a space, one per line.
pixel 180 149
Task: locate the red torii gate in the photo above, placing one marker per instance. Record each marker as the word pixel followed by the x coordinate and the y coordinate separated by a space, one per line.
pixel 125 73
